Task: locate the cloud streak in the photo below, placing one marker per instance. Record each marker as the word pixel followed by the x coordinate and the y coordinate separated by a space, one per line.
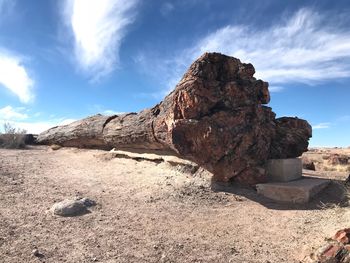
pixel 98 27
pixel 323 125
pixel 302 49
pixel 308 47
pixel 9 113
pixel 15 77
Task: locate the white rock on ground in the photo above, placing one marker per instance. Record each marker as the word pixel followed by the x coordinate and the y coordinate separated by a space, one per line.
pixel 70 207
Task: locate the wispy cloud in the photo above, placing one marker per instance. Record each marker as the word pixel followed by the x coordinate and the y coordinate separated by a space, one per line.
pixel 323 125
pixel 15 77
pixel 308 47
pixel 112 112
pixel 98 27
pixel 10 113
pixel 276 88
pixel 24 118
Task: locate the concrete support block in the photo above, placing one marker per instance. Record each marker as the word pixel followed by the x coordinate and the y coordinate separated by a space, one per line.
pixel 284 170
pixel 299 191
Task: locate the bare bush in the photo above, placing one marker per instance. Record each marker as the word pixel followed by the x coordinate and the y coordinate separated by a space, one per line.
pixel 12 138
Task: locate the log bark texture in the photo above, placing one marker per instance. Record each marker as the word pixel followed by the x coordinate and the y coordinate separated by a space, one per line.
pixel 214 117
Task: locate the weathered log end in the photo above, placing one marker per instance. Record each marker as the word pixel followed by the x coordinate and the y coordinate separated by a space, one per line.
pixel 215 117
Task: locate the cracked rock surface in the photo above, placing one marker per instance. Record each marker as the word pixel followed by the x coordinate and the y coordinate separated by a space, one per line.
pixel 216 116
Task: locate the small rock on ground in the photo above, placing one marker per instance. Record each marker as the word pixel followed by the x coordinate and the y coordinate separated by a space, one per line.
pixel 69 207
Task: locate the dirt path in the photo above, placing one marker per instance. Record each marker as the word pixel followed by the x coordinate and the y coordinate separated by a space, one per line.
pixel 146 212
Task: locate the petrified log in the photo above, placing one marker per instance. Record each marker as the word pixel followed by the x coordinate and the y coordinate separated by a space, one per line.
pixel 214 117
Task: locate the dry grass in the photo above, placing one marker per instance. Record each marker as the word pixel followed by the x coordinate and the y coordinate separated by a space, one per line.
pixel 321 159
pixel 343 193
pixel 336 168
pixel 12 141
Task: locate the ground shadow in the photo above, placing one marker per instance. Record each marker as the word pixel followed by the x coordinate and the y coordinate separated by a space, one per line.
pixel 334 195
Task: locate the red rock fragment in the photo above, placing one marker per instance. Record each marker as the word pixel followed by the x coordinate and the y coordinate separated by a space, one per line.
pixel 331 251
pixel 343 236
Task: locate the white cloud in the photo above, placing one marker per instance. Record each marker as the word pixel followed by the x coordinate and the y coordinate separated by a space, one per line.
pixel 306 48
pixel 30 127
pixel 301 49
pixel 276 88
pixel 112 112
pixel 98 27
pixel 35 127
pixel 322 125
pixel 9 113
pixel 14 76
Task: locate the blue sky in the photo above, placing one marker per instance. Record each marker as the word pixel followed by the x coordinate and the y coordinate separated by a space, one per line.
pixel 64 60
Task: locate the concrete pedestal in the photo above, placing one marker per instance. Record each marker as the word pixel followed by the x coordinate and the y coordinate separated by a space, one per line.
pixel 284 170
pixel 299 191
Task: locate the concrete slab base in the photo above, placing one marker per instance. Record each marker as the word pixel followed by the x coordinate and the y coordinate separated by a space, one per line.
pixel 299 191
pixel 284 170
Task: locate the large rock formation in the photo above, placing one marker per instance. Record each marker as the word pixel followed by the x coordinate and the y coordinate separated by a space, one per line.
pixel 214 117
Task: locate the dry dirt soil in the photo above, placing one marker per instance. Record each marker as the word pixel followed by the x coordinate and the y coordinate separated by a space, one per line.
pixel 148 212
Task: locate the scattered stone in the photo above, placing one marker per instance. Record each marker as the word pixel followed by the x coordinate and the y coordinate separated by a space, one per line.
pixel 343 236
pixel 72 207
pixel 36 253
pixel 336 250
pixel 55 147
pixel 308 164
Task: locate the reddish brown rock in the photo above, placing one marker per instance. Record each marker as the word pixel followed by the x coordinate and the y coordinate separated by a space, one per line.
pixel 331 252
pixel 335 250
pixel 292 138
pixel 214 117
pixel 343 236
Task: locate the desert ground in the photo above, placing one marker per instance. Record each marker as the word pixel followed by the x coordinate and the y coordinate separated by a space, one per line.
pixel 151 211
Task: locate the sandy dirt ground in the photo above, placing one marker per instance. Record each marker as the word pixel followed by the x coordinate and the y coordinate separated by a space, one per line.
pixel 147 212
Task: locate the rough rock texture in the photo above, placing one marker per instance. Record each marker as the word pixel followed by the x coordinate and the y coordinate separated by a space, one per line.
pixel 70 207
pixel 335 250
pixel 214 117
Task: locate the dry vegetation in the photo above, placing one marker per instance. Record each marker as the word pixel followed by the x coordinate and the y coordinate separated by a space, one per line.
pixel 329 159
pixel 12 138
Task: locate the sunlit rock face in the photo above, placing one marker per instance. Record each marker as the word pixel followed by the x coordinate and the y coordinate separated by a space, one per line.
pixel 216 117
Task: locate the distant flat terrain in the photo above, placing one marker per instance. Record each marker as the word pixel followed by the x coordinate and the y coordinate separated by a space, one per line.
pixel 147 211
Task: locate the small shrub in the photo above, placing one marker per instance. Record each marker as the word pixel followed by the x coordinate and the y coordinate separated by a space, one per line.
pixel 12 138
